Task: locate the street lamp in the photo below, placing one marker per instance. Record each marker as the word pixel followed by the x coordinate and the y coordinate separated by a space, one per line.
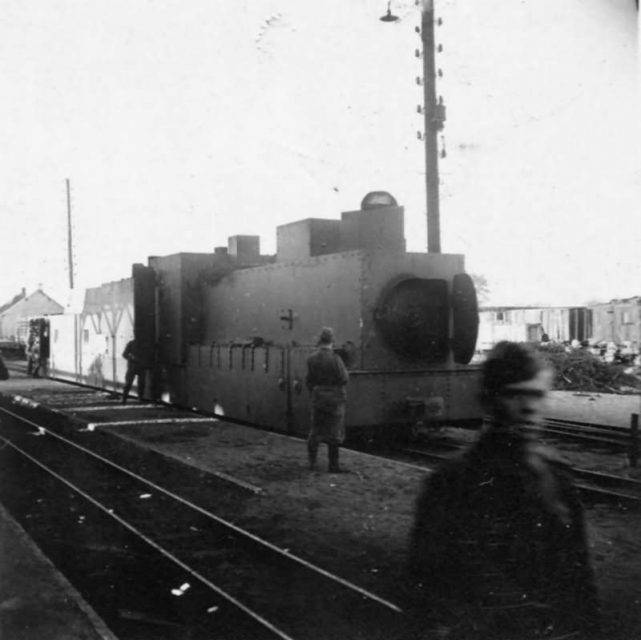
pixel 434 114
pixel 389 16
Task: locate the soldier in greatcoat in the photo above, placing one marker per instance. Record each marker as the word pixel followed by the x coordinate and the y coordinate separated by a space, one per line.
pixel 499 545
pixel 326 380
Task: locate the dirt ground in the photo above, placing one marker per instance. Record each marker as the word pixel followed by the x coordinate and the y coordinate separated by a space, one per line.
pixel 357 524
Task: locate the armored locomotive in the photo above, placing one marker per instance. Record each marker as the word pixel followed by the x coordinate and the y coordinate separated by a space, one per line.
pixel 229 332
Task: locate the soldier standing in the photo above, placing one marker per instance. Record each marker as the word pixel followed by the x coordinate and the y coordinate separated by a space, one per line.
pixel 326 380
pixel 135 367
pixel 36 358
pixel 4 372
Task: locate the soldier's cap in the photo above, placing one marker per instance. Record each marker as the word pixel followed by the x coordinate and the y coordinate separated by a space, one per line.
pixel 326 336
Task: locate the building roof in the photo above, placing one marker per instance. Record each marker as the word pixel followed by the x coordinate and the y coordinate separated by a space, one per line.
pixel 529 307
pixel 14 300
pixel 632 300
pixel 22 300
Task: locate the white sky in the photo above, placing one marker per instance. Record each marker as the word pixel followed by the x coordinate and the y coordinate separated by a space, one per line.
pixel 182 123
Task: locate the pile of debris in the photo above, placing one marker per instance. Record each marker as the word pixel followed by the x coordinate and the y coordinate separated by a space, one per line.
pixel 581 370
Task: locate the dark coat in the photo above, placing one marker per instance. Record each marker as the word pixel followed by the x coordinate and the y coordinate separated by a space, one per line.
pixel 326 380
pixel 326 369
pixel 134 362
pixel 502 529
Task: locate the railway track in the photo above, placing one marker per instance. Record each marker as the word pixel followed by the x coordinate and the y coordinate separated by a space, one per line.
pixel 128 575
pixel 156 559
pixel 595 485
pixel 609 436
pixel 598 485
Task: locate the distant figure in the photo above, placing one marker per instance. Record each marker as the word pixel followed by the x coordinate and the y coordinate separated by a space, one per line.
pixel 36 359
pixel 326 380
pixel 135 367
pixel 499 538
pixel 4 372
pixel 29 354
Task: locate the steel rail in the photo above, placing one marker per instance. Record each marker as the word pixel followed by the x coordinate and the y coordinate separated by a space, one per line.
pixel 562 423
pixel 584 437
pixel 597 478
pixel 92 427
pixel 235 602
pixel 221 521
pixel 588 425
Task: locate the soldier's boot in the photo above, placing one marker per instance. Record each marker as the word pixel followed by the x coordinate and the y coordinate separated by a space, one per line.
pixel 332 451
pixel 312 453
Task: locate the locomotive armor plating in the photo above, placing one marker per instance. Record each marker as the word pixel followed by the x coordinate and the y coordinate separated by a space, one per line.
pixel 230 331
pixel 233 329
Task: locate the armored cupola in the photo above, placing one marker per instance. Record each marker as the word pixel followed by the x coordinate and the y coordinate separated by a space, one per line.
pixel 377 200
pixel 378 224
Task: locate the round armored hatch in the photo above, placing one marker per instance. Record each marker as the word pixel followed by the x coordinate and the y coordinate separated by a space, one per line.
pixel 412 319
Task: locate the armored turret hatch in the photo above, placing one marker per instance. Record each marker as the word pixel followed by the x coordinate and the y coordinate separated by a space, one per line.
pixel 378 224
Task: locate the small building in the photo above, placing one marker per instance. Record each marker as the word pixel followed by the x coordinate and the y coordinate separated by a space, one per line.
pixel 14 315
pixel 531 324
pixel 88 343
pixel 617 321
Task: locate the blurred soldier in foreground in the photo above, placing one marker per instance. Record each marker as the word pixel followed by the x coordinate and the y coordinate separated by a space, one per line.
pixel 135 367
pixel 499 540
pixel 326 380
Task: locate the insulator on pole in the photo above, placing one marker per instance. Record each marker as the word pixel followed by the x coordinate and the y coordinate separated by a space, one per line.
pixel 417 29
pixel 419 108
pixel 417 53
pixel 419 80
pixel 419 135
pixel 440 73
pixel 439 48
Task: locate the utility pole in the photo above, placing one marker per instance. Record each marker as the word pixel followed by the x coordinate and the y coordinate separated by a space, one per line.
pixel 434 118
pixel 69 238
pixel 434 114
